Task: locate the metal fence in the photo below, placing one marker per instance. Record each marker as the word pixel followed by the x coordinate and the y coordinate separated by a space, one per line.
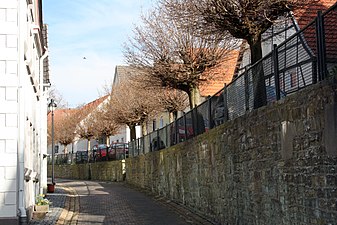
pixel 309 56
pixel 116 151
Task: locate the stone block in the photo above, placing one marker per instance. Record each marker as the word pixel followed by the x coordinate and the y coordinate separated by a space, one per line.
pixel 8 53
pixel 10 173
pixel 11 41
pixel 12 15
pixel 11 67
pixel 8 27
pixel 8 211
pixel 11 120
pixel 330 131
pixel 11 94
pixel 10 198
pixel 8 160
pixel 288 133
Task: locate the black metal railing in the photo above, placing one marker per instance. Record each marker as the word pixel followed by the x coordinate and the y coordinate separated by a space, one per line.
pixel 117 151
pixel 308 56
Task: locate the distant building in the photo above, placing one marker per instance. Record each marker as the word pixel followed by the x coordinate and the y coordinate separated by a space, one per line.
pixel 121 73
pixel 23 112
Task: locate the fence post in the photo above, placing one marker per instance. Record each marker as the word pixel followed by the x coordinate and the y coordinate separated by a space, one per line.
pixel 166 135
pixel 185 126
pixel 245 76
pixel 226 116
pixel 158 142
pixel 276 73
pixel 196 131
pixel 320 46
pixel 143 143
pixel 150 145
pixel 176 130
pixel 209 103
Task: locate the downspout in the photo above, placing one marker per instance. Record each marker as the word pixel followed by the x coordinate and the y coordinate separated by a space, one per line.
pixel 43 104
pixel 21 117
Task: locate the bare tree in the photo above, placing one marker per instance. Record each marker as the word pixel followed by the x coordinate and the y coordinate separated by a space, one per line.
pixel 105 124
pixel 244 19
pixel 131 105
pixel 85 129
pixel 173 55
pixel 58 98
pixel 65 127
pixel 172 101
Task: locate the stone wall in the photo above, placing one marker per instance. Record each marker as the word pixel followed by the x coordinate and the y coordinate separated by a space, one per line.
pixel 104 171
pixel 275 165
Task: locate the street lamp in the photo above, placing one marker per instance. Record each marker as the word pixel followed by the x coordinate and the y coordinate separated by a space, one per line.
pixel 52 105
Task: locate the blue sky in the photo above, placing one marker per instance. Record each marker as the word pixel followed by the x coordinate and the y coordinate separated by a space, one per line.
pixel 95 30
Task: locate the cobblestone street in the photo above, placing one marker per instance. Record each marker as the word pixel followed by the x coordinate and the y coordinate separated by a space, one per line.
pixel 89 202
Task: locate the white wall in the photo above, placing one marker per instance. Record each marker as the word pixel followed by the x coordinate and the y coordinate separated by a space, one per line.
pixel 8 109
pixel 22 125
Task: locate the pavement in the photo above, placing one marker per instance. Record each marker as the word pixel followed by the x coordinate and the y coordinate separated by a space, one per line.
pixel 116 203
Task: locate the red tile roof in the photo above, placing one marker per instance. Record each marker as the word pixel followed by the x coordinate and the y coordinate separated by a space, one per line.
pixel 221 74
pixel 307 14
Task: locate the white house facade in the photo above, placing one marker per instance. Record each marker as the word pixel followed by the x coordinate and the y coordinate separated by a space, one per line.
pixel 24 83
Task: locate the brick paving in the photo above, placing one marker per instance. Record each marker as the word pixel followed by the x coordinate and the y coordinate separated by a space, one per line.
pixel 58 199
pixel 109 203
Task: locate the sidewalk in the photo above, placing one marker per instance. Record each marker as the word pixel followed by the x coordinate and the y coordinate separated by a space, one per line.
pixel 64 208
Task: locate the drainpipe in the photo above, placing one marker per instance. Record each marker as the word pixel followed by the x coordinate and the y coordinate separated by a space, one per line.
pixel 42 132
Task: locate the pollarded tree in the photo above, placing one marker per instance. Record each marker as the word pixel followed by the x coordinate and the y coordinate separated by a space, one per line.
pixel 244 19
pixel 65 127
pixel 105 124
pixel 172 101
pixel 85 129
pixel 172 55
pixel 132 105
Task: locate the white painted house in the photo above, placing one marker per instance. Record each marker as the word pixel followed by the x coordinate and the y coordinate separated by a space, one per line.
pixel 24 83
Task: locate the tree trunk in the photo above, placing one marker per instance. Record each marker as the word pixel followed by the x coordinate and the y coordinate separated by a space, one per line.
pixel 144 129
pixel 173 116
pixel 88 146
pixel 88 150
pixel 107 140
pixel 65 149
pixel 194 97
pixel 132 132
pixel 259 84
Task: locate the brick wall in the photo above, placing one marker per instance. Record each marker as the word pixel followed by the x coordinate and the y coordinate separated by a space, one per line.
pixel 276 165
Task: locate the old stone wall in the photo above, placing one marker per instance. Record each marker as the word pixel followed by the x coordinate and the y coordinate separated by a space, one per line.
pixel 105 171
pixel 275 165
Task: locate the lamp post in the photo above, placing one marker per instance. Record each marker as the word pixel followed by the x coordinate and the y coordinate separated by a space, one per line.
pixel 52 105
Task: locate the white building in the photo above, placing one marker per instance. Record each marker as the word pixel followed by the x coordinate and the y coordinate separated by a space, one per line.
pixel 24 82
pixel 121 73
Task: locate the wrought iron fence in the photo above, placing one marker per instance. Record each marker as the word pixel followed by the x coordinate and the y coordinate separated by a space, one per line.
pixel 308 56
